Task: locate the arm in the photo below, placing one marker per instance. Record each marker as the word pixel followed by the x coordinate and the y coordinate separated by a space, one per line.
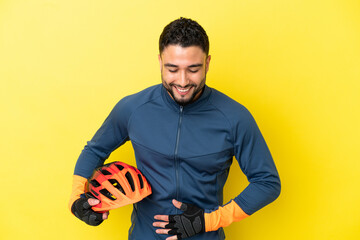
pixel 256 162
pixel 110 136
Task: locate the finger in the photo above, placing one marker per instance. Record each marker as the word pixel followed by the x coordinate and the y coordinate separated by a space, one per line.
pixel 105 215
pixel 160 224
pixel 172 238
pixel 162 231
pixel 176 203
pixel 93 201
pixel 162 217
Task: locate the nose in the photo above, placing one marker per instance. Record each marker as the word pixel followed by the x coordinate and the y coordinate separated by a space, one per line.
pixel 183 80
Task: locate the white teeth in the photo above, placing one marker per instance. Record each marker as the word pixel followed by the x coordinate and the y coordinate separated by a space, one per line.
pixel 182 90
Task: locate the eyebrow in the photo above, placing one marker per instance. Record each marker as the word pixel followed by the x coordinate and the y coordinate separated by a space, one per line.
pixel 191 66
pixel 170 65
pixel 195 65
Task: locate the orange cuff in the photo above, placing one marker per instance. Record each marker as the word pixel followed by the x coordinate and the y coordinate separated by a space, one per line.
pixel 223 216
pixel 78 188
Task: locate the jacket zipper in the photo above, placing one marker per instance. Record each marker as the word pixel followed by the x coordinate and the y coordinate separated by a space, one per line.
pixel 176 154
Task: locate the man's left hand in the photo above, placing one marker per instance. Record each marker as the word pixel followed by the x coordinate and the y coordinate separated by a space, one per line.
pixel 184 225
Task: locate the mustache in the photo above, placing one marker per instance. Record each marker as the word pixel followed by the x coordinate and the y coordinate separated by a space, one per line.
pixel 177 85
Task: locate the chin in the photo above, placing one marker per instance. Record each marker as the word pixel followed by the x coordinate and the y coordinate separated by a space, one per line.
pixel 184 101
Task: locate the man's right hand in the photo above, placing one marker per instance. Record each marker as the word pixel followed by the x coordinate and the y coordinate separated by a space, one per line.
pixel 81 208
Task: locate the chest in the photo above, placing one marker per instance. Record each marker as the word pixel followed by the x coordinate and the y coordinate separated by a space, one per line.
pixel 186 135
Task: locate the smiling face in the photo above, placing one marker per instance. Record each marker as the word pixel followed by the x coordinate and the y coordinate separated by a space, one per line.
pixel 183 72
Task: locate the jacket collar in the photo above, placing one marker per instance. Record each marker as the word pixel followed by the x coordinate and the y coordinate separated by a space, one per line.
pixel 192 106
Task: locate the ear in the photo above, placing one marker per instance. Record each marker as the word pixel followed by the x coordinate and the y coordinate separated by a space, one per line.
pixel 207 63
pixel 160 62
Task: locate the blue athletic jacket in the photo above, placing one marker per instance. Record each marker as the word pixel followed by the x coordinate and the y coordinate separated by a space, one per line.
pixel 185 153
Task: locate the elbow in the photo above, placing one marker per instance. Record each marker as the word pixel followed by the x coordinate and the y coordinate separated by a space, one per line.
pixel 277 190
pixel 273 189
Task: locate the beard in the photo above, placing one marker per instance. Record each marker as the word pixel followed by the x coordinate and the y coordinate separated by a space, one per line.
pixel 197 91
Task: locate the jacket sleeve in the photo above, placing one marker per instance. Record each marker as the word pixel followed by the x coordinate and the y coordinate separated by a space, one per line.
pixel 223 216
pixel 78 188
pixel 112 134
pixel 256 162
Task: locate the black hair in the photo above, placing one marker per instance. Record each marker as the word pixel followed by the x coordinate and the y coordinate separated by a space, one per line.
pixel 184 32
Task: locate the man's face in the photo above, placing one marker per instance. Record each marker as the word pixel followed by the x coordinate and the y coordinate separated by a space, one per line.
pixel 183 72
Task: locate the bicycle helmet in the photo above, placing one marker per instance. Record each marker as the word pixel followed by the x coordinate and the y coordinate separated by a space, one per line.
pixel 117 184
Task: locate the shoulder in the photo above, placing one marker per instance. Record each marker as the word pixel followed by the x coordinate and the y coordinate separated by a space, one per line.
pixel 231 109
pixel 143 96
pixel 135 100
pixel 238 116
pixel 127 105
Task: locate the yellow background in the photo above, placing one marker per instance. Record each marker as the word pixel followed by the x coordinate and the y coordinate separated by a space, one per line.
pixel 294 64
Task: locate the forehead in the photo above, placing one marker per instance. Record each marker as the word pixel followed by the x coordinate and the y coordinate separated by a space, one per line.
pixel 175 54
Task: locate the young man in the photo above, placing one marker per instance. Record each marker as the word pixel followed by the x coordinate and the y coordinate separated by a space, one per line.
pixel 185 135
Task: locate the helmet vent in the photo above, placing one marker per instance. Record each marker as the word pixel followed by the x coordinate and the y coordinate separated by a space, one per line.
pixel 94 193
pixel 130 180
pixel 117 185
pixel 95 183
pixel 141 181
pixel 120 167
pixel 105 172
pixel 107 194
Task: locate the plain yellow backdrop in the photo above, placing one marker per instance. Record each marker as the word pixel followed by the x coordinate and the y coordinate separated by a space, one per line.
pixel 294 64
